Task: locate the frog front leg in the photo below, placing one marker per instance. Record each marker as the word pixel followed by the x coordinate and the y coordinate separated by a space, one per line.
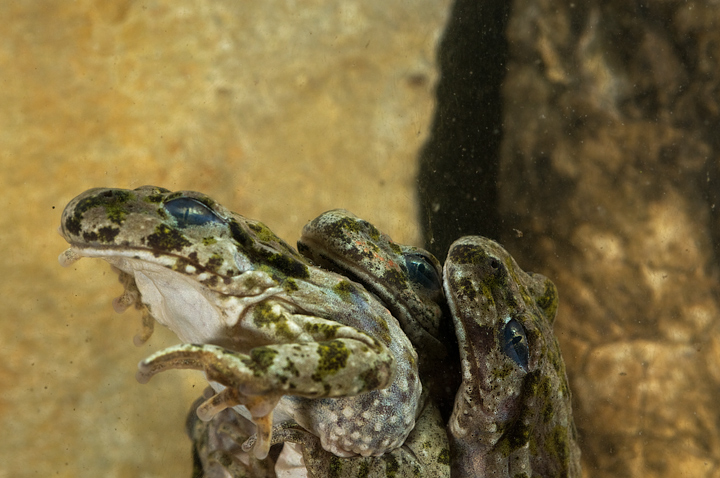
pixel 337 361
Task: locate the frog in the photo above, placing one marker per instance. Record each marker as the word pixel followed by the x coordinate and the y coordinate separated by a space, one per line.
pixel 217 445
pixel 407 279
pixel 512 415
pixel 278 338
pixel 408 282
pixel 298 453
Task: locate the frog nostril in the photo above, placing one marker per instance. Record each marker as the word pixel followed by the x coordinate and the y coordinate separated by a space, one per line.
pixel 494 264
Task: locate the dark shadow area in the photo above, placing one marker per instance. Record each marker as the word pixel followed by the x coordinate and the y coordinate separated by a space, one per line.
pixel 459 164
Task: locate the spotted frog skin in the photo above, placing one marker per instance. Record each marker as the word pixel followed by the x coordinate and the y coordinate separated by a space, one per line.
pixel 512 415
pixel 217 452
pixel 279 340
pixel 408 282
pixel 407 279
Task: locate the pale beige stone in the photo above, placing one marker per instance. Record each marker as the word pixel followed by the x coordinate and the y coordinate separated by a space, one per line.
pixel 278 109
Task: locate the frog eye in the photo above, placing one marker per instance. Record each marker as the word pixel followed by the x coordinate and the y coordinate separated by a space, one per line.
pixel 190 212
pixel 514 343
pixel 421 271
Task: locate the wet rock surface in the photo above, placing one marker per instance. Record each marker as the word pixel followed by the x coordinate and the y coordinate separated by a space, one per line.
pixel 607 183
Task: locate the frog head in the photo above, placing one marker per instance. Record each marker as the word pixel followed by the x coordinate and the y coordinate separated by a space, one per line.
pixel 189 259
pixel 266 327
pixel 407 279
pixel 512 413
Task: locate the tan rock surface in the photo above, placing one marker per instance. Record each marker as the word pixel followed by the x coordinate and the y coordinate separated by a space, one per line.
pixel 608 167
pixel 279 110
pixel 598 168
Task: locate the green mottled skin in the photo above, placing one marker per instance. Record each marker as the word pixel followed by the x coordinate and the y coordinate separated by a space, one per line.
pixel 270 330
pixel 349 245
pixel 344 243
pixel 507 421
pixel 424 453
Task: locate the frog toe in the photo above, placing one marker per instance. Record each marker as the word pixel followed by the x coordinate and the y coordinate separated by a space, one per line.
pixel 228 369
pixel 261 410
pixel 146 331
pixel 263 437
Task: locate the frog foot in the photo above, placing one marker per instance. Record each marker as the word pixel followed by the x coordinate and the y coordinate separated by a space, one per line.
pixel 260 408
pixel 225 367
pixel 68 257
pixel 146 330
pixel 131 297
pixel 217 444
pixel 340 367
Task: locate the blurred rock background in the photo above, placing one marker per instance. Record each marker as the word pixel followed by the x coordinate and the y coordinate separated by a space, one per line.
pixel 583 136
pixel 278 109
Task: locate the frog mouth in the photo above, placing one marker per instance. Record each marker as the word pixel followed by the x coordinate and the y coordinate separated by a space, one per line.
pixel 338 264
pixel 175 262
pixel 177 299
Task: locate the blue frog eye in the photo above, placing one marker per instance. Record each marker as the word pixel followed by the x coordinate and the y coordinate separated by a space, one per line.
pixel 191 212
pixel 421 271
pixel 514 343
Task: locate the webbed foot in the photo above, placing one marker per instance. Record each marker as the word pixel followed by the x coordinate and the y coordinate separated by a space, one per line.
pixel 229 369
pixel 258 380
